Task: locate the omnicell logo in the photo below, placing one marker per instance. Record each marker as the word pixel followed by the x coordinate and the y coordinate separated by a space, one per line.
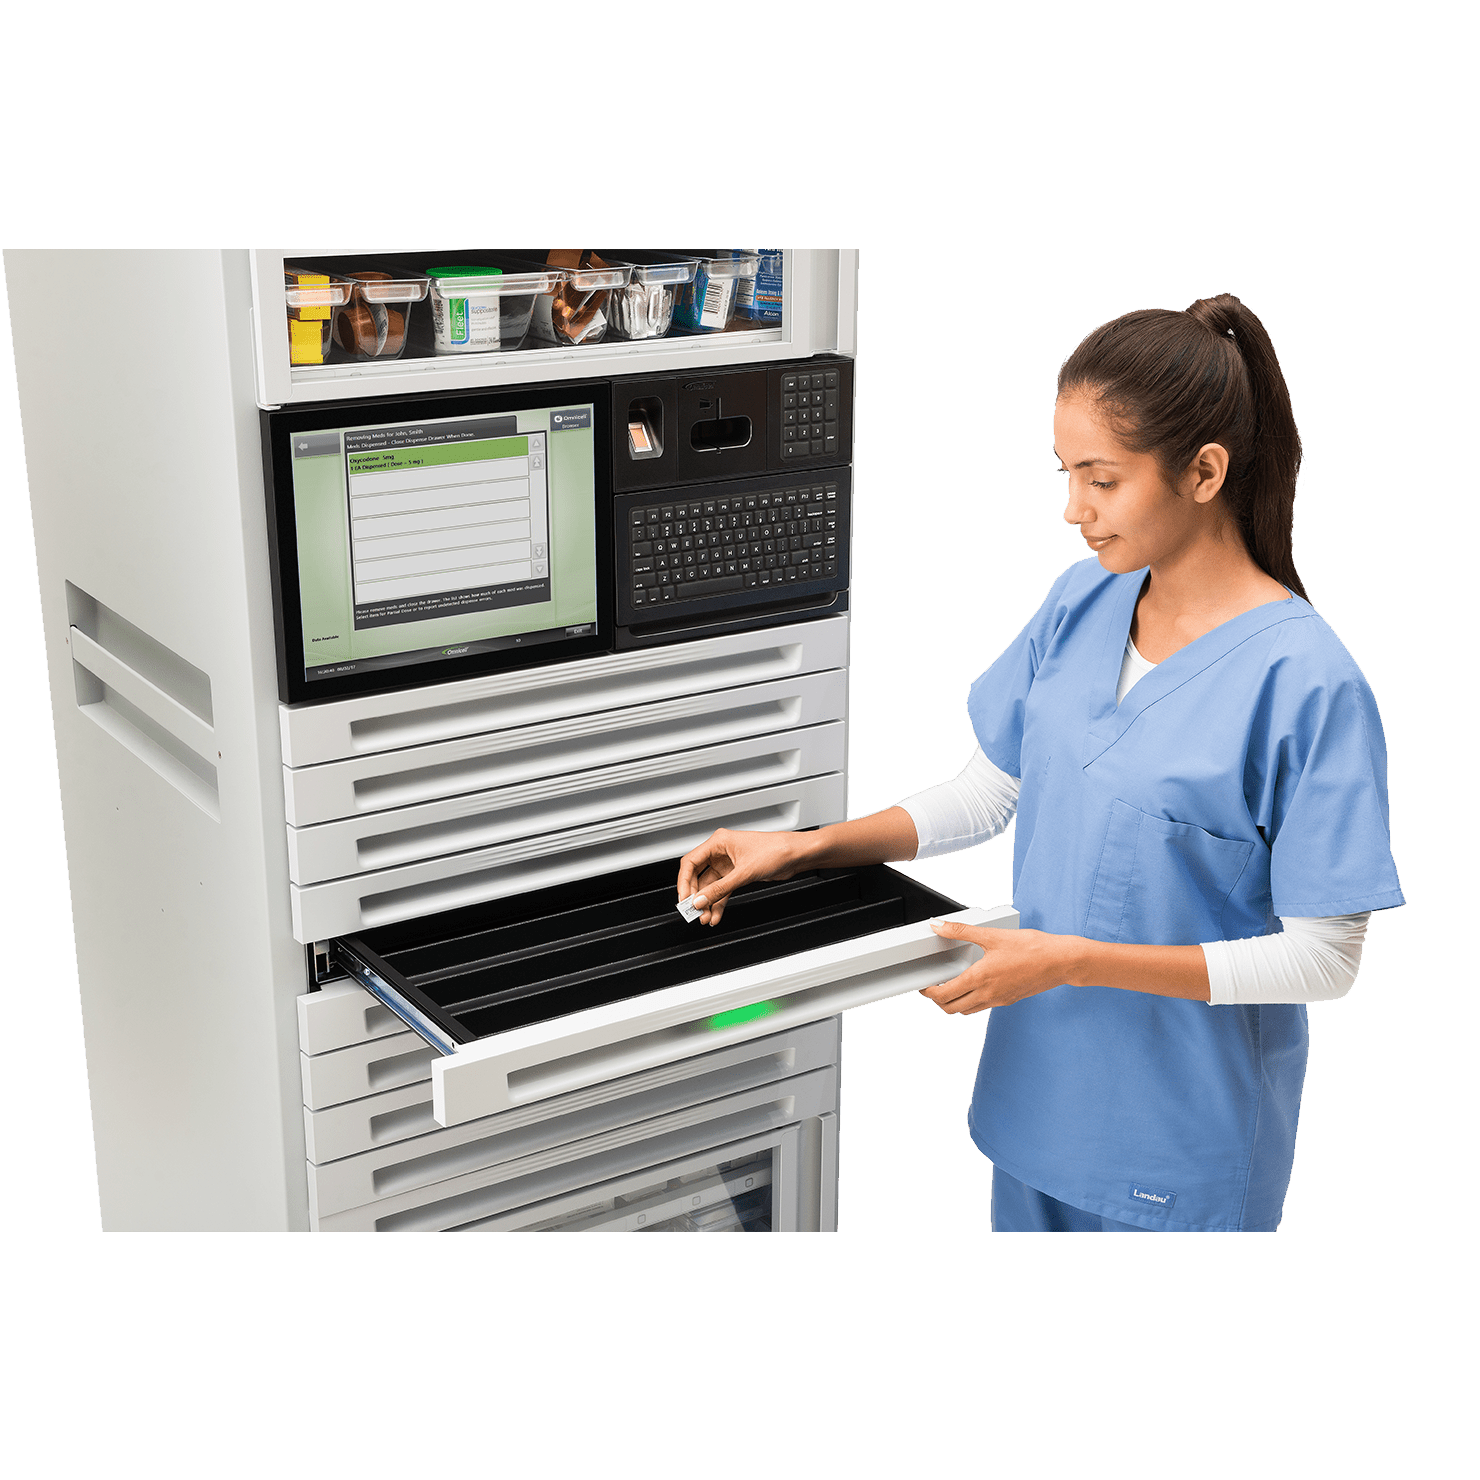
pixel 1152 1195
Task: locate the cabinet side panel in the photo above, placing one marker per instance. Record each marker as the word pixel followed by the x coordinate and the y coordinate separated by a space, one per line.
pixel 146 497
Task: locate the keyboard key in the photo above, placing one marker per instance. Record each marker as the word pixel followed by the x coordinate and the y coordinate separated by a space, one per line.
pixel 641 567
pixel 645 548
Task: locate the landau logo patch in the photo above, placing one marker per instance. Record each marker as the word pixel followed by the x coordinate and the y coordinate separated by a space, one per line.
pixel 1158 1197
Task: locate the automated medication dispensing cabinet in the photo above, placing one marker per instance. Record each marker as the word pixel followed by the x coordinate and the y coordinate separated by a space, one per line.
pixel 408 618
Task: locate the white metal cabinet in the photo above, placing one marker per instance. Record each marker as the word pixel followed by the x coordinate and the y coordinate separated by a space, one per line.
pixel 173 541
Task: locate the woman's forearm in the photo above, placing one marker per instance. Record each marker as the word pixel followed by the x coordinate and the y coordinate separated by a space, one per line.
pixel 1164 971
pixel 883 837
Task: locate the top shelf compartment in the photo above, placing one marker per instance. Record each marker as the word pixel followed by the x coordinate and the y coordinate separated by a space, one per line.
pixel 333 325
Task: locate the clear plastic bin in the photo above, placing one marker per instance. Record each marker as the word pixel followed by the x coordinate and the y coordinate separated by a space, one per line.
pixel 708 303
pixel 575 312
pixel 313 299
pixel 643 309
pixel 373 324
pixel 476 309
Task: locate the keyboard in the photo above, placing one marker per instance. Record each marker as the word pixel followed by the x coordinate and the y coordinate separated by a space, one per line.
pixel 727 543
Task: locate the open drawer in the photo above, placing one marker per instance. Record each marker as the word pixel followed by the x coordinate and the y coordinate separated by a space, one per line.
pixel 565 987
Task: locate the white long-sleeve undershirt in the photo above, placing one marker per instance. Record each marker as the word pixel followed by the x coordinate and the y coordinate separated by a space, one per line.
pixel 1311 960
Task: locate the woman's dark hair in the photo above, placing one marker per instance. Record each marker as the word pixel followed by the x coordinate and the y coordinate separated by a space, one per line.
pixel 1170 383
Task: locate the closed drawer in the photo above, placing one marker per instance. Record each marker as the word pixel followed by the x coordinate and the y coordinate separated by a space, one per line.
pixel 364 1069
pixel 489 1190
pixel 315 733
pixel 337 1186
pixel 672 1197
pixel 398 1115
pixel 341 1014
pixel 571 986
pixel 509 757
pixel 380 840
pixel 387 896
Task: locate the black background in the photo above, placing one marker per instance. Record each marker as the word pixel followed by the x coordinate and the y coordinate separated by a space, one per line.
pixel 958 536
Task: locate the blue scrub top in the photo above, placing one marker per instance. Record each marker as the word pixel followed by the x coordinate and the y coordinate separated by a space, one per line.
pixel 1243 779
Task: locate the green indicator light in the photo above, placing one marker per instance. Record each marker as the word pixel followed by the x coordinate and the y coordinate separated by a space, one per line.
pixel 742 1014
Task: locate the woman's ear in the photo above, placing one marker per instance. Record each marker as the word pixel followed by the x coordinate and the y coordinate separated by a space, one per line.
pixel 1205 473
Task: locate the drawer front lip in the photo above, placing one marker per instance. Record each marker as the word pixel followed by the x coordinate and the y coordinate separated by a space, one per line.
pixel 335 850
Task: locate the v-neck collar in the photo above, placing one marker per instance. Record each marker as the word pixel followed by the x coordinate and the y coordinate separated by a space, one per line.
pixel 1108 722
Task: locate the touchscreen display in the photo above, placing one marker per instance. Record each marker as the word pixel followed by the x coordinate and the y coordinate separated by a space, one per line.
pixel 444 538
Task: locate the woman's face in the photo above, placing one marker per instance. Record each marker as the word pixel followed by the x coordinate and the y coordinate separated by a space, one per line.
pixel 1120 500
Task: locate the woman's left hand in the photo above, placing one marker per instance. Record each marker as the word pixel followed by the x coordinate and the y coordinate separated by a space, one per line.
pixel 1014 964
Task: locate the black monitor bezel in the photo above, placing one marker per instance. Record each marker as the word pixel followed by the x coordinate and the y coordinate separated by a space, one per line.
pixel 281 426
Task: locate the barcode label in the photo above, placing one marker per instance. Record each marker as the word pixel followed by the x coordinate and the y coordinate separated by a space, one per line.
pixel 716 311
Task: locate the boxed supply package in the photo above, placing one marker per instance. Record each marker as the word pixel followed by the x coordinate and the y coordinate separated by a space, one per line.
pixel 708 302
pixel 759 298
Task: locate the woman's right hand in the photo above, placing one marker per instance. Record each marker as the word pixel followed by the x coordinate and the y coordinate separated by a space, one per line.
pixel 729 860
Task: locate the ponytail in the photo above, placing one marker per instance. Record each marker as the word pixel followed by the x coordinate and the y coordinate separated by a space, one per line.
pixel 1170 383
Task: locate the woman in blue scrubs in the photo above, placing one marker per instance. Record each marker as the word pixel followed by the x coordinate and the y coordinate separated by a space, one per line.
pixel 1198 773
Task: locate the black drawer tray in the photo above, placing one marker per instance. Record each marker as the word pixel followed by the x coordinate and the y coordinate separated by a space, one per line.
pixel 471 973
